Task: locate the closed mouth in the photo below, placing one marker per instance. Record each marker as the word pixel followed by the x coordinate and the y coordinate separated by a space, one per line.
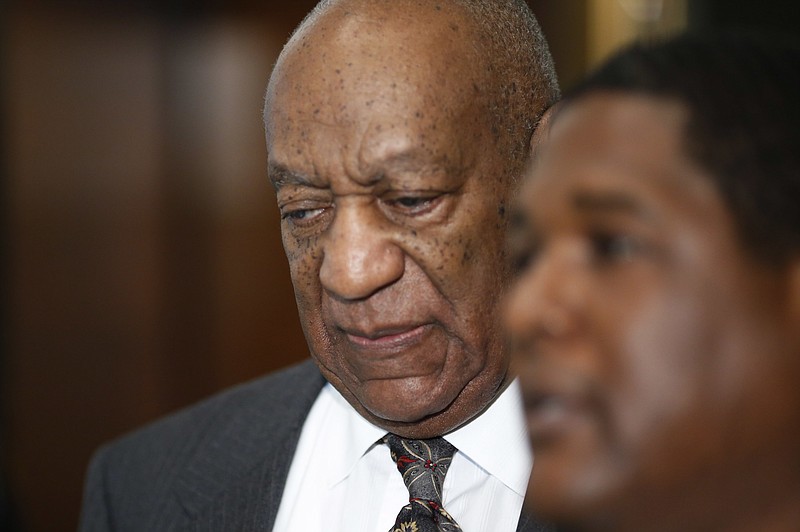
pixel 388 337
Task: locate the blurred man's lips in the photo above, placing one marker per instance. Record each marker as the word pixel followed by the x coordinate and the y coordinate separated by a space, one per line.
pixel 551 413
pixel 387 337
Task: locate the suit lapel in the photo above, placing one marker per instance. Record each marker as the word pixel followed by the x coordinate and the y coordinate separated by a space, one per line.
pixel 236 478
pixel 528 523
pixel 251 503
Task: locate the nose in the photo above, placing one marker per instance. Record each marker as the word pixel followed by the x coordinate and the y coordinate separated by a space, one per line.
pixel 360 255
pixel 544 301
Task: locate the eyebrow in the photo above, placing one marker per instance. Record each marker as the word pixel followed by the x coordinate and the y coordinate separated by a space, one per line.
pixel 404 161
pixel 611 202
pixel 279 176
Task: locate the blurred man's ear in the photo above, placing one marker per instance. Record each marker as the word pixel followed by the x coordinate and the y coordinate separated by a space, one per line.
pixel 542 129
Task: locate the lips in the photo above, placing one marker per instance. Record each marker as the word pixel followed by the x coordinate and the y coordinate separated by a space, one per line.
pixel 554 411
pixel 387 336
pixel 396 352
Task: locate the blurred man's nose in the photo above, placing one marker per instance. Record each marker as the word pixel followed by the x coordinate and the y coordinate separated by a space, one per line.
pixel 360 257
pixel 545 299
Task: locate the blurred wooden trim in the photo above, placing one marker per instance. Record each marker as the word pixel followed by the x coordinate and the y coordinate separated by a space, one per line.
pixel 614 23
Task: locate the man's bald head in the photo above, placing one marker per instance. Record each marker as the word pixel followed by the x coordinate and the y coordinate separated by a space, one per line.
pixel 396 130
pixel 514 73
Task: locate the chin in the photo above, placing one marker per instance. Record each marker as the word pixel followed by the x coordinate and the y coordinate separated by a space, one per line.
pixel 407 400
pixel 403 414
pixel 576 498
pixel 417 424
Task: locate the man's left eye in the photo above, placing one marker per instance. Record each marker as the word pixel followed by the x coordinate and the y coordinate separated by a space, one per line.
pixel 412 202
pixel 616 247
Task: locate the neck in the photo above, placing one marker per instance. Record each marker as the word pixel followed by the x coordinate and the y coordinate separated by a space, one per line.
pixel 749 507
pixel 780 516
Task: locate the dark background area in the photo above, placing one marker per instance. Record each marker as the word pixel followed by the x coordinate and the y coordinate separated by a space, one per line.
pixel 141 264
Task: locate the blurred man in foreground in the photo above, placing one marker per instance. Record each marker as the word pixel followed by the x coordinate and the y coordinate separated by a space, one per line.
pixel 397 132
pixel 656 319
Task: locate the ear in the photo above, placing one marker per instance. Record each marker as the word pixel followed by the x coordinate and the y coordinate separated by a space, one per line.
pixel 542 130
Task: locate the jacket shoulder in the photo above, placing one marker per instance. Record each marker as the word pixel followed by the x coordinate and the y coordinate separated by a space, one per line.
pixel 149 478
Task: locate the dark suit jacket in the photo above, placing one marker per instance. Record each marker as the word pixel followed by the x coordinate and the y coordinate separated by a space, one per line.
pixel 220 465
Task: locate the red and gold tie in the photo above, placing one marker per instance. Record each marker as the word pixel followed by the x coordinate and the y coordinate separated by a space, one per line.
pixel 423 464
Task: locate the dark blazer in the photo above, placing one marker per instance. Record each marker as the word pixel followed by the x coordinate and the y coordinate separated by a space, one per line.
pixel 220 465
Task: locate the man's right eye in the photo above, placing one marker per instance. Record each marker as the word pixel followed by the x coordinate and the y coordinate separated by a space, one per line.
pixel 522 245
pixel 524 257
pixel 300 216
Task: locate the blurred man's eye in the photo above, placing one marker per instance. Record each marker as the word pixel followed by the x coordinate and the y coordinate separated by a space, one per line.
pixel 610 246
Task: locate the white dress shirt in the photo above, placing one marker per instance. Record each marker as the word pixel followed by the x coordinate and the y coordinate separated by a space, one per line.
pixel 342 480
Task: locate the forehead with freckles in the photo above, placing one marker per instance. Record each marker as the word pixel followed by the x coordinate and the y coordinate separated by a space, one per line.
pixel 385 48
pixel 375 83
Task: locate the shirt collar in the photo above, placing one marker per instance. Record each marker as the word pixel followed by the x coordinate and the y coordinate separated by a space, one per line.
pixel 496 440
pixel 352 435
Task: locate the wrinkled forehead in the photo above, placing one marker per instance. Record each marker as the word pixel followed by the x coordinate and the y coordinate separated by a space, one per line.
pixel 359 57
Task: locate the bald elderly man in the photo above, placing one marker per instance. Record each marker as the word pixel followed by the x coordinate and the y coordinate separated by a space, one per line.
pixel 396 133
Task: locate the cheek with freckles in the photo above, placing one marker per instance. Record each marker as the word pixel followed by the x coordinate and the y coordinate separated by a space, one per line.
pixel 304 257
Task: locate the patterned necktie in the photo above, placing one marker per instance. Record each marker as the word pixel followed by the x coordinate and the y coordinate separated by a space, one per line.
pixel 423 464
